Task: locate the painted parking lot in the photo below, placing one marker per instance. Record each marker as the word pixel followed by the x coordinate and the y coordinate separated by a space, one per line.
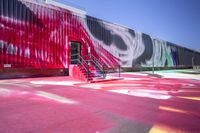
pixel 141 102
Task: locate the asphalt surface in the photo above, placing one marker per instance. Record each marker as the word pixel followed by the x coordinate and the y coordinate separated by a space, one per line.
pixel 137 103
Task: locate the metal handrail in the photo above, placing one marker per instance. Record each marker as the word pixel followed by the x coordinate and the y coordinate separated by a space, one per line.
pixel 98 64
pixel 103 66
pixel 81 64
pixel 84 61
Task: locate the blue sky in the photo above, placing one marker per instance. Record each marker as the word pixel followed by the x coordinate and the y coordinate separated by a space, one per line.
pixel 177 21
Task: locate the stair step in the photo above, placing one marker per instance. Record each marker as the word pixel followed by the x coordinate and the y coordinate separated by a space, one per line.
pixel 90 79
pixel 94 72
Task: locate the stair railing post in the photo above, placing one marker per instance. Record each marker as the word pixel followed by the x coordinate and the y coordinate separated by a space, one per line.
pixel 103 71
pixel 87 63
pixel 119 71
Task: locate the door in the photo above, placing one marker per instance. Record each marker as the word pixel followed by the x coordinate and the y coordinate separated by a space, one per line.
pixel 75 52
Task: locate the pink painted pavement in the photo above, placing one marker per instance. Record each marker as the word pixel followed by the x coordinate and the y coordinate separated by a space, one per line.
pixel 137 103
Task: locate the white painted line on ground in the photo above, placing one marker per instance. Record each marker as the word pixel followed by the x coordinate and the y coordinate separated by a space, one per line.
pixel 56 97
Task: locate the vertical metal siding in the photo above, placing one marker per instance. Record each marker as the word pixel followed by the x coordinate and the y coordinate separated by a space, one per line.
pixel 36 36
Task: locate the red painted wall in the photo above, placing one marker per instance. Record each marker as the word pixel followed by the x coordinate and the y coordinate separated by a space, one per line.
pixel 39 36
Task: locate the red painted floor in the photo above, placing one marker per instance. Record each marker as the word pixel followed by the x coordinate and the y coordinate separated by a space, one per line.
pixel 136 104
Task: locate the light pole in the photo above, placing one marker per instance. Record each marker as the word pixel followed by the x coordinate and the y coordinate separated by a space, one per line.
pixel 153 64
pixel 153 56
pixel 193 59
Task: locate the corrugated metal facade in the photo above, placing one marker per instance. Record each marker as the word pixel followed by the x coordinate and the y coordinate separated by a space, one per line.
pixel 37 35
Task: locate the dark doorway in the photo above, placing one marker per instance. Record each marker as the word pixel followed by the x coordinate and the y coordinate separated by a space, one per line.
pixel 75 52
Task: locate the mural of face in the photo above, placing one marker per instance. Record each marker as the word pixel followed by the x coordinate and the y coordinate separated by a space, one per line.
pixel 133 48
pixel 130 47
pixel 119 41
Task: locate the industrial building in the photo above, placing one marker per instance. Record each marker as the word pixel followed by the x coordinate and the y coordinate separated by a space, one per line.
pixel 48 38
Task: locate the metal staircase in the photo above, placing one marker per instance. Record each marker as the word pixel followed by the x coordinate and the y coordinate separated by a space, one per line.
pixel 92 69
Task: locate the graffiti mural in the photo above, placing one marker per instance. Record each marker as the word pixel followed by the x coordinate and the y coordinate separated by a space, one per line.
pixel 139 49
pixel 38 35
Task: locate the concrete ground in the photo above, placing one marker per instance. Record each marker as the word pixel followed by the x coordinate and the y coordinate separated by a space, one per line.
pixel 163 102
